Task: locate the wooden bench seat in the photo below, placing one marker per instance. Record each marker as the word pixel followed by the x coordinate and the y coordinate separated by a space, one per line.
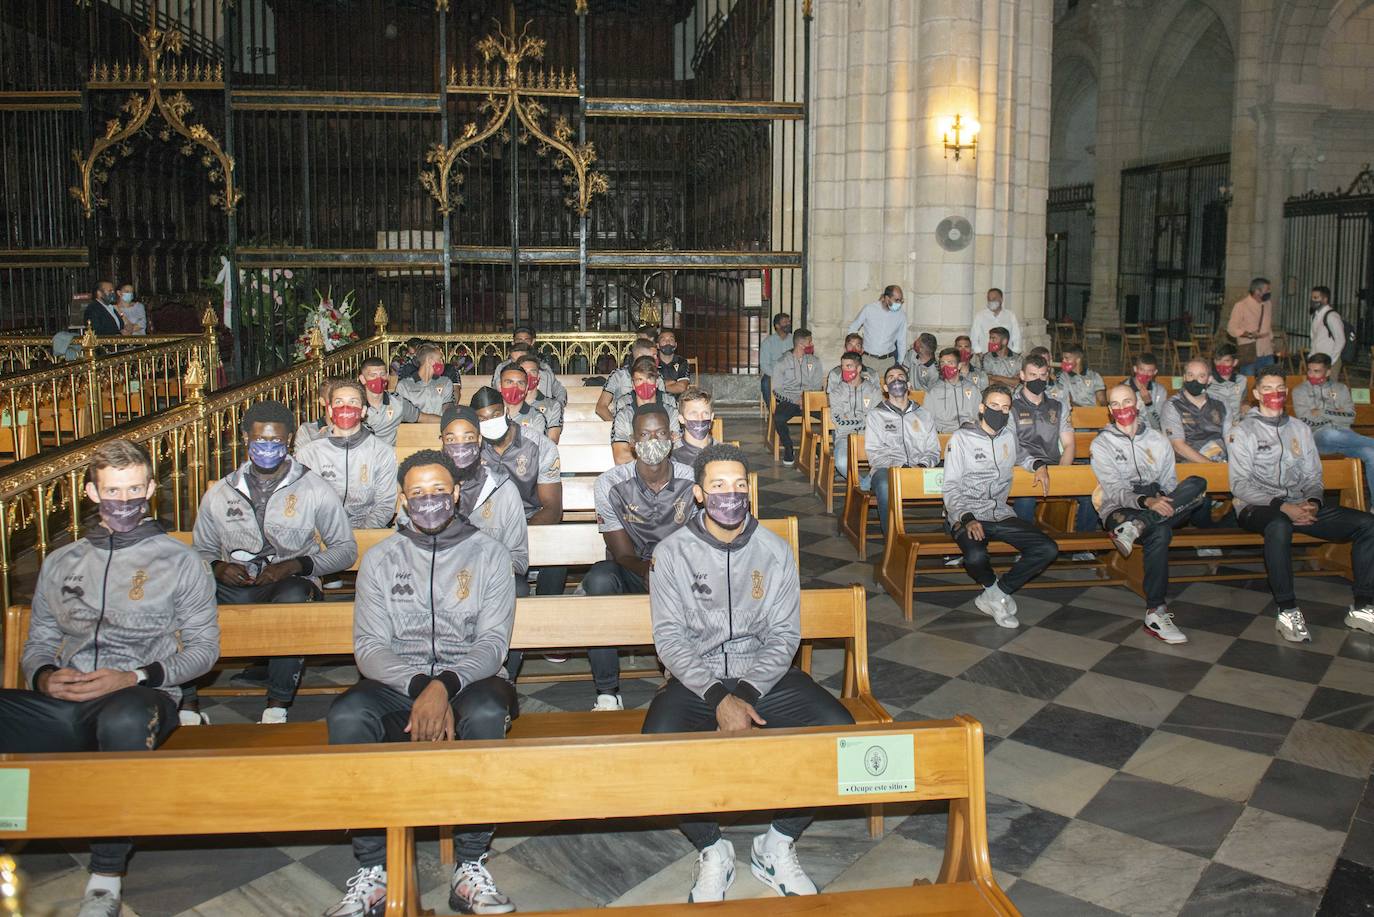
pixel 575 433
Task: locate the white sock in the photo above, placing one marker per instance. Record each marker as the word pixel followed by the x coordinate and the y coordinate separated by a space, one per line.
pixel 995 592
pixel 718 848
pixel 775 840
pixel 111 884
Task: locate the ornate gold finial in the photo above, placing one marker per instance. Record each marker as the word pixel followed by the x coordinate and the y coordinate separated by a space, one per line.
pixel 316 338
pixel 208 318
pixel 194 380
pixel 580 7
pixel 89 340
pixel 380 318
pixel 441 6
pixel 806 9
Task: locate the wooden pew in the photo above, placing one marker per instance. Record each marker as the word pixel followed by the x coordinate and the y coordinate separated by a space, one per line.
pixel 575 433
pixel 338 788
pixel 897 568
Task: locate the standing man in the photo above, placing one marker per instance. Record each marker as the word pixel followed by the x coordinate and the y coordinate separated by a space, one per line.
pixel 725 599
pixel 883 325
pixel 898 433
pixel 120 618
pixel 1252 324
pixel 430 660
pixel 1276 482
pixel 978 469
pixel 795 373
pixel 359 466
pixel 953 401
pixel 1328 328
pixel 1044 437
pixel 102 313
pixel 1143 501
pixel 851 397
pixel 771 350
pixel 1327 407
pixel 994 315
pixel 385 411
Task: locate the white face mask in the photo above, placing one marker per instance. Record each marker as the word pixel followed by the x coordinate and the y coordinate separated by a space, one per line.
pixel 494 429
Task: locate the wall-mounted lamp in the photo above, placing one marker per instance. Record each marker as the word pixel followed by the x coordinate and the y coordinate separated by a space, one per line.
pixel 965 134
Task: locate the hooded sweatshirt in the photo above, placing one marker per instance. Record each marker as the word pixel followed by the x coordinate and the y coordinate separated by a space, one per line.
pixel 978 471
pixel 362 470
pixel 1274 460
pixel 1130 469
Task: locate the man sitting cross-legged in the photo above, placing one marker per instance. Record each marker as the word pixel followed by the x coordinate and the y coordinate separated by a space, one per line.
pixel 1276 482
pixel 270 529
pixel 638 504
pixel 1143 501
pixel 1044 436
pixel 1328 408
pixel 978 469
pixel 431 625
pixel 359 466
pixel 725 598
pixel 120 618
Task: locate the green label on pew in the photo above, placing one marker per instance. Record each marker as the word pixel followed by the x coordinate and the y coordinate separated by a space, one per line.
pixel 1359 395
pixel 876 764
pixel 14 799
pixel 1175 383
pixel 933 480
pixel 133 385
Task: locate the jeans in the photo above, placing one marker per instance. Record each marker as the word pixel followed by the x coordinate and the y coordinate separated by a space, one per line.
pixel 1347 442
pixel 548 581
pixel 284 673
pixel 1085 519
pixel 1038 551
pixel 766 387
pixel 371 712
pixel 1249 369
pixel 783 411
pixel 137 718
pixel 1190 500
pixel 795 700
pixel 609 578
pixel 841 454
pixel 880 485
pixel 1338 524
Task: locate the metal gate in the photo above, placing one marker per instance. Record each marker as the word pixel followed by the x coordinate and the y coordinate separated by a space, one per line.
pixel 1069 253
pixel 1329 241
pixel 1172 256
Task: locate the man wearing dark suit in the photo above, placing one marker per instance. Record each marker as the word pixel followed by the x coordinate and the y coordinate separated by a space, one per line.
pixel 101 313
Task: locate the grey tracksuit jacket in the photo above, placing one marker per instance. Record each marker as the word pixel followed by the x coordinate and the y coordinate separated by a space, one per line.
pixel 362 470
pixel 953 404
pixel 725 611
pixel 429 397
pixel 1323 406
pixel 1273 460
pixel 492 502
pixel 384 419
pixel 125 601
pixel 1130 468
pixel 549 386
pixel 978 474
pixel 900 439
pixel 793 375
pixel 434 606
pixel 850 404
pixel 302 506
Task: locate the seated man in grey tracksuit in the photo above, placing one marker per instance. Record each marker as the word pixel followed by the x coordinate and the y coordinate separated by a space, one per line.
pixel 385 411
pixel 978 469
pixel 1276 485
pixel 850 395
pixel 722 566
pixel 120 618
pixel 1142 500
pixel 488 497
pixel 898 433
pixel 797 372
pixel 953 398
pixel 1328 409
pixel 260 528
pixel 360 466
pixel 431 626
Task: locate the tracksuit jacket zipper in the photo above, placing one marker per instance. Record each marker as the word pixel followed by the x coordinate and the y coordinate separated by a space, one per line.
pixel 104 587
pixel 729 613
pixel 433 639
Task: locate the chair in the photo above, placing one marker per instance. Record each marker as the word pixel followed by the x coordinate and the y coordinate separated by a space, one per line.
pixel 1132 345
pixel 812 403
pixel 1095 347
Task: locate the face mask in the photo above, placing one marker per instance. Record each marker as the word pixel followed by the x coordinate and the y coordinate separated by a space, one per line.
pixel 463 454
pixel 653 451
pixel 1274 401
pixel 667 349
pixel 127 297
pixel 1316 304
pixel 849 375
pixel 995 305
pixel 784 330
pixel 728 510
pixel 346 417
pixel 1316 380
pixel 995 420
pixel 376 386
pixel 1037 386
pixel 437 367
pixel 646 390
pixel 1266 297
pixel 429 513
pixel 266 454
pixel 895 305
pixel 1066 366
pixel 949 373
pixel 1143 380
pixel 493 430
pixel 123 515
pixel 698 429
pixel 1225 371
pixel 897 388
pixel 994 346
pixel 809 349
pixel 512 395
pixel 108 298
pixel 1194 387
pixel 1124 416
pixel 531 381
pixel 964 354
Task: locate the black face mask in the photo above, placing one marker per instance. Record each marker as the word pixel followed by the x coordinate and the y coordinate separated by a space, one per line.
pixel 1194 387
pixel 1315 306
pixel 1037 386
pixel 995 420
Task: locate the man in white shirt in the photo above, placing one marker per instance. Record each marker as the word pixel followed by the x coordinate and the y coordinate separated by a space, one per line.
pixel 993 316
pixel 883 325
pixel 1328 328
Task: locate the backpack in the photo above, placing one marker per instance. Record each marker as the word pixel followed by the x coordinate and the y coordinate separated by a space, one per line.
pixel 1350 350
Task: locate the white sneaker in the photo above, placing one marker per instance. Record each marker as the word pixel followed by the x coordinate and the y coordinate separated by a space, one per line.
pixel 366 895
pixel 780 870
pixel 100 903
pixel 1292 626
pixel 1083 555
pixel 273 716
pixel 1209 552
pixel 473 891
pixel 715 873
pixel 995 608
pixel 192 718
pixel 1160 624
pixel 605 702
pixel 1124 536
pixel 954 560
pixel 1361 618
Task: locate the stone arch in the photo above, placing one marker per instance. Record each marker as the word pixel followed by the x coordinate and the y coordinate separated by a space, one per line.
pixel 1073 119
pixel 1175 117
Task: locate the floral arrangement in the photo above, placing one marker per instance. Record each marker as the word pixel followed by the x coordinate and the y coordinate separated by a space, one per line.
pixel 334 321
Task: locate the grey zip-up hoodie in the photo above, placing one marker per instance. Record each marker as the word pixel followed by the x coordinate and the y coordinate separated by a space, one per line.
pixel 1131 468
pixel 125 601
pixel 302 506
pixel 850 404
pixel 1327 405
pixel 491 502
pixel 725 610
pixel 793 375
pixel 901 439
pixel 1274 460
pixel 362 470
pixel 978 474
pixel 434 606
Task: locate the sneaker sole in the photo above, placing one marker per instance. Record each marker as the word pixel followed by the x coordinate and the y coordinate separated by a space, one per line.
pixel 1293 639
pixel 1123 549
pixel 729 881
pixel 762 875
pixel 456 904
pixel 1163 639
pixel 1355 623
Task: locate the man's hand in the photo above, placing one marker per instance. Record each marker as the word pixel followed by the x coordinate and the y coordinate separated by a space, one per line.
pixel 735 715
pixel 94 685
pixel 975 530
pixel 1300 513
pixel 57 683
pixel 1042 477
pixel 1161 505
pixel 431 718
pixel 232 574
pixel 275 573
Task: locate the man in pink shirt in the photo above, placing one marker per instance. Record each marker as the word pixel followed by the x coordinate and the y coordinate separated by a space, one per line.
pixel 1252 322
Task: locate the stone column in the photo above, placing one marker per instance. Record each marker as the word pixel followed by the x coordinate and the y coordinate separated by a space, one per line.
pixel 1117 141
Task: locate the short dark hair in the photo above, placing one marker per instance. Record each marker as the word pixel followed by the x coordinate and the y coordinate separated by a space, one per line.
pixel 1319 357
pixel 897 366
pixel 267 412
pixel 1147 359
pixel 485 397
pixel 119 454
pixel 852 355
pixel 1035 360
pixel 1324 291
pixel 644 365
pixel 777 319
pixel 530 357
pixel 519 347
pixel 515 367
pixel 999 330
pixel 426 457
pixel 643 345
pixel 1224 350
pixel 928 339
pixel 1259 282
pixel 995 388
pixel 1073 350
pixel 718 452
pixel 801 334
pixel 1273 369
pixel 347 383
pixel 997 290
pixel 1042 350
pixel 370 363
pixel 523 329
pixel 650 410
pixel 887 290
pixel 948 352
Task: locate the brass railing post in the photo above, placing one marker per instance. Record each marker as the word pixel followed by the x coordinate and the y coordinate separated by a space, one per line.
pixel 198 442
pixel 210 322
pixel 89 342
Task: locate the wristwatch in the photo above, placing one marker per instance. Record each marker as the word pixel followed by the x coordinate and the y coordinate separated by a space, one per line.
pixel 140 676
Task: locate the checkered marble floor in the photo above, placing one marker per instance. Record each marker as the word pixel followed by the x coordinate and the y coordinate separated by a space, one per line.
pixel 1229 776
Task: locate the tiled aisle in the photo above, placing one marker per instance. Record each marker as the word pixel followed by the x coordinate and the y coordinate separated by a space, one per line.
pixel 1226 777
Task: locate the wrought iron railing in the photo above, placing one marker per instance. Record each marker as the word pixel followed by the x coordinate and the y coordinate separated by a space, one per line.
pixel 572 352
pixel 19 352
